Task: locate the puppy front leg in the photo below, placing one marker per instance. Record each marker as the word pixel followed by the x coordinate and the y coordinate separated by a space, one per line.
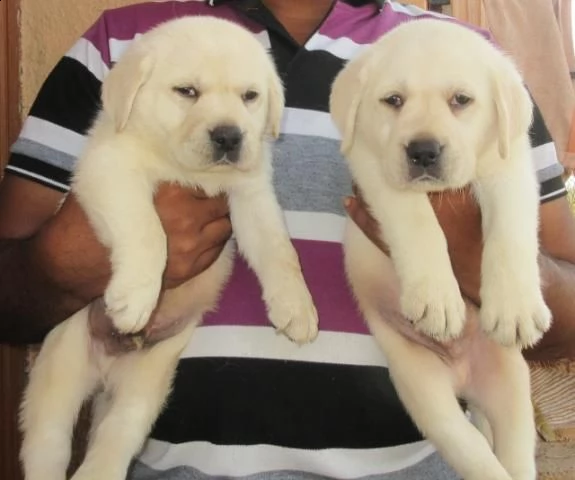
pixel 513 311
pixel 263 239
pixel 430 295
pixel 118 199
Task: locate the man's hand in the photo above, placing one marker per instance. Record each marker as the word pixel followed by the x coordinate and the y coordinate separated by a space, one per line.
pixel 196 227
pixel 71 257
pixel 460 218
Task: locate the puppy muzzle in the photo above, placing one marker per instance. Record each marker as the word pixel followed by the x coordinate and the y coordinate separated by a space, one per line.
pixel 424 158
pixel 226 141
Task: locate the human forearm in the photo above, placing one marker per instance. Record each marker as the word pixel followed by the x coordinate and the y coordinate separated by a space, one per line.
pixel 558 279
pixel 31 302
pixel 558 287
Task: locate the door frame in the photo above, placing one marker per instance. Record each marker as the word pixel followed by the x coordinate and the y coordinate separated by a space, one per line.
pixel 12 360
pixel 9 76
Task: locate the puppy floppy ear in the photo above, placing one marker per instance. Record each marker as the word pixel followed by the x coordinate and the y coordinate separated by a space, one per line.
pixel 276 101
pixel 121 86
pixel 345 98
pixel 513 105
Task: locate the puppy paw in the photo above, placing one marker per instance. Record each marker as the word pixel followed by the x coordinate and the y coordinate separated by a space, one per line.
pixel 435 307
pixel 130 304
pixel 293 313
pixel 514 318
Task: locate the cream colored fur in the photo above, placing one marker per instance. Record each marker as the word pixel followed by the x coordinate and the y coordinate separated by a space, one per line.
pixel 438 347
pixel 149 133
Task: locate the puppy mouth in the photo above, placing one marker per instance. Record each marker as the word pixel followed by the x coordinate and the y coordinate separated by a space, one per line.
pixel 221 157
pixel 418 174
pixel 230 160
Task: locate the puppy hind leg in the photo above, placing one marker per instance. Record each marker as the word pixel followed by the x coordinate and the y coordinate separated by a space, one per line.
pixel 481 423
pixel 502 391
pixel 425 385
pixel 62 377
pixel 139 384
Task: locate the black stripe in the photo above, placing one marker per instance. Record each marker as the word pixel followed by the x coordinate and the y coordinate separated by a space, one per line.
pixel 39 167
pixel 539 133
pixel 240 401
pixel 555 196
pixel 309 79
pixel 554 187
pixel 41 182
pixel 70 96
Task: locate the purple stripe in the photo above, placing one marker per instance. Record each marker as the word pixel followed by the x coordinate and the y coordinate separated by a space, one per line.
pixel 125 23
pixel 363 25
pixel 322 263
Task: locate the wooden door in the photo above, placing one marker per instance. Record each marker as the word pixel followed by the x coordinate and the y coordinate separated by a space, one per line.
pixel 12 360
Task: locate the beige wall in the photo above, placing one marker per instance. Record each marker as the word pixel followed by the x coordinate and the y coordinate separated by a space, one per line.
pixel 48 29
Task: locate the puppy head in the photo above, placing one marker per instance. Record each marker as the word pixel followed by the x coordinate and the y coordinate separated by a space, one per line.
pixel 430 100
pixel 201 89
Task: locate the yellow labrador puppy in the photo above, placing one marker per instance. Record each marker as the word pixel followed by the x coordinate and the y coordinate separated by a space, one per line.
pixel 434 106
pixel 196 116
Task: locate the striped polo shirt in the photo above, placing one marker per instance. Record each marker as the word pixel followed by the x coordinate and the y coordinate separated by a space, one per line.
pixel 246 402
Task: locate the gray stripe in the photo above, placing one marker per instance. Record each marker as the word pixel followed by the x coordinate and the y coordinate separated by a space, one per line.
pixel 547 173
pixel 431 468
pixel 310 174
pixel 38 151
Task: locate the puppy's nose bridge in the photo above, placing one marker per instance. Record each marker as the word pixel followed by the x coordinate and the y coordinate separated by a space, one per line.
pixel 226 137
pixel 424 152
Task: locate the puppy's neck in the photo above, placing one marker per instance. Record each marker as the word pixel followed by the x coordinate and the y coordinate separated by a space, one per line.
pixel 300 18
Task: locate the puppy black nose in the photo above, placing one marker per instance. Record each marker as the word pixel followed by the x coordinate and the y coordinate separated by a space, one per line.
pixel 226 138
pixel 423 153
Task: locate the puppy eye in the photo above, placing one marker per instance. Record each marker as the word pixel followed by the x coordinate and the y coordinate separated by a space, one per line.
pixel 250 96
pixel 188 92
pixel 395 101
pixel 460 100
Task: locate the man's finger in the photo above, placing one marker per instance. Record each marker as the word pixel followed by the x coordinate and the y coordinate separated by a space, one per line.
pixel 356 213
pixel 216 231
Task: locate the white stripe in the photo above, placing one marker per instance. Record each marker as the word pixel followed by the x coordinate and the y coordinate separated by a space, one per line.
pixel 544 156
pixel 242 460
pixel 326 227
pixel 297 121
pixel 414 11
pixel 39 177
pixel 344 48
pixel 264 39
pixel 552 194
pixel 53 136
pixel 265 343
pixel 89 56
pixel 118 47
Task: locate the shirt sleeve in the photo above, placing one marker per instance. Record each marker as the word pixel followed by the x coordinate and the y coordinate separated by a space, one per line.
pixel 545 158
pixel 53 134
pixel 546 162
